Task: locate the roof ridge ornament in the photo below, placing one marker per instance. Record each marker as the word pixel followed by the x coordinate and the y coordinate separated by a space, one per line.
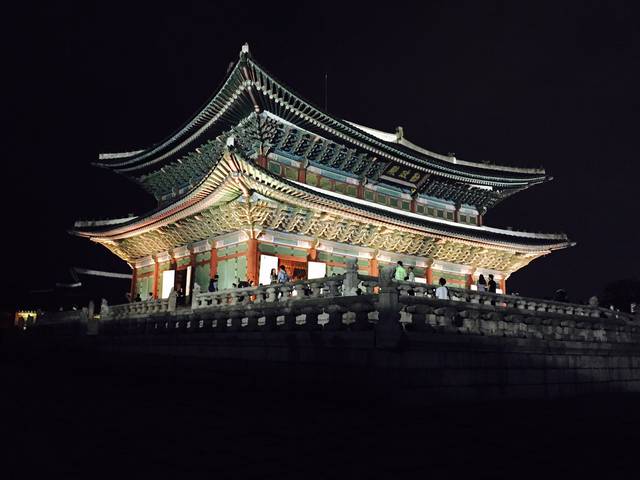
pixel 245 50
pixel 399 134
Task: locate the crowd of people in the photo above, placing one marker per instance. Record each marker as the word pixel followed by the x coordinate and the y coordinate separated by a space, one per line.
pixel 402 274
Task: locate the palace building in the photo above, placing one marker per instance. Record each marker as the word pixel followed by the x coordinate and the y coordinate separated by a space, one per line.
pixel 260 177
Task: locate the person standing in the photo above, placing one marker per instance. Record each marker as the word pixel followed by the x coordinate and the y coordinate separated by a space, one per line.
pixel 282 275
pixel 482 283
pixel 442 292
pixel 213 284
pixel 401 273
pixel 412 275
pixel 492 284
pixel 492 288
pixel 273 276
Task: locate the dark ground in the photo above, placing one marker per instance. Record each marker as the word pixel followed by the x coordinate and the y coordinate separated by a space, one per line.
pixel 76 414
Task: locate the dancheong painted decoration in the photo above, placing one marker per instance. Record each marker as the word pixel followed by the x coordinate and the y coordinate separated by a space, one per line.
pixel 260 178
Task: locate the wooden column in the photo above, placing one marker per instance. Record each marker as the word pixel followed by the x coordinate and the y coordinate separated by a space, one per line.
pixel 413 205
pixel 156 275
pixel 503 285
pixel 468 281
pixel 262 161
pixel 252 260
pixel 302 174
pixel 479 220
pixel 429 274
pixel 373 267
pixel 312 254
pixel 213 263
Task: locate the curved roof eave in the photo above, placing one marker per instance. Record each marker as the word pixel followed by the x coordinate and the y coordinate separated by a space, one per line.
pixel 209 189
pixel 250 74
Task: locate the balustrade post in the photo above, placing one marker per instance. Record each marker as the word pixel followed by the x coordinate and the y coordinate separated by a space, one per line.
pixel 388 329
pixel 195 293
pixel 171 304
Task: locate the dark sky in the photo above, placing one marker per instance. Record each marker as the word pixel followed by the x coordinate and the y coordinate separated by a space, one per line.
pixel 516 83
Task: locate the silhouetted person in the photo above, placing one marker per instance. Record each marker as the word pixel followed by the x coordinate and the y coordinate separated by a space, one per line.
pixel 273 276
pixel 492 284
pixel 137 299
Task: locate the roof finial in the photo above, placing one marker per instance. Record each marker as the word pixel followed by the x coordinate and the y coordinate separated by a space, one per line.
pixel 399 133
pixel 245 49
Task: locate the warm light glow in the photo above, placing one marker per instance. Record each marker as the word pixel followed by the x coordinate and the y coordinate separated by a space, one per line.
pixel 267 262
pixel 420 280
pixel 317 270
pixel 188 289
pixel 168 281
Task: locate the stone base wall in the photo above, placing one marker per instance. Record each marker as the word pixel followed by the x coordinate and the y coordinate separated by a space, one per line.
pixel 424 367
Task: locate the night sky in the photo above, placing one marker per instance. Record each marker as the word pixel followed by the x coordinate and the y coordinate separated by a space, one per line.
pixel 515 83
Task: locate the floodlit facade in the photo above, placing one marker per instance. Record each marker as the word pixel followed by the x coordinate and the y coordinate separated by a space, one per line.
pixel 260 177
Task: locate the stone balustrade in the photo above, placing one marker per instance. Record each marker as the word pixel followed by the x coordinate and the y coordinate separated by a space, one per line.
pixel 357 302
pixel 274 293
pixel 136 309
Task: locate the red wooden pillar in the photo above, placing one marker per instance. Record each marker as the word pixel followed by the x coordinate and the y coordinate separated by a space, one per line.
pixel 373 267
pixel 469 281
pixel 262 161
pixel 252 260
pixel 156 275
pixel 312 254
pixel 302 174
pixel 503 285
pixel 413 205
pixel 429 273
pixel 360 192
pixel 213 263
pixel 479 220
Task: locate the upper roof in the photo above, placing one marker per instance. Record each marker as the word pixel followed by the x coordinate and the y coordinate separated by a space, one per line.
pixel 234 176
pixel 248 89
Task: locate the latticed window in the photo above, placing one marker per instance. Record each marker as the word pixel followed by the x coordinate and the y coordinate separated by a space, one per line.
pixel 341 187
pixel 274 167
pixel 352 190
pixel 380 198
pixel 420 208
pixel 393 202
pixel 291 173
pixel 406 206
pixel 312 179
pixel 463 218
pixel 325 183
pixel 449 215
pixel 368 195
